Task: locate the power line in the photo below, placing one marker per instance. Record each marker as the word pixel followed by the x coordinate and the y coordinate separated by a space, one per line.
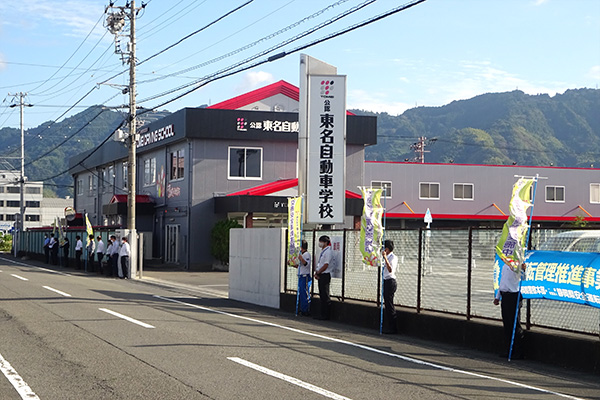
pixel 246 47
pixel 77 66
pixel 182 39
pixel 66 139
pixel 168 21
pixel 196 32
pixel 70 57
pixel 264 52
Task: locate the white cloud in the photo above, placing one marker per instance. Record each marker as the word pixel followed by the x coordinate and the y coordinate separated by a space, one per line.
pixel 2 63
pixel 472 78
pixel 593 73
pixel 540 2
pixel 77 16
pixel 253 80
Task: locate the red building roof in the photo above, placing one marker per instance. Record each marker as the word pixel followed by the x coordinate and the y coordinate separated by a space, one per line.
pixel 277 186
pixel 281 87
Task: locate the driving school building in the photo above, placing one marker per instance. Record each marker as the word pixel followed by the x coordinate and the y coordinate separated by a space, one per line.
pixel 201 165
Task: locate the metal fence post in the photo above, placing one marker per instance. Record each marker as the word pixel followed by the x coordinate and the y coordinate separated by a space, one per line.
pixel 344 265
pixel 528 315
pixel 312 287
pixel 285 266
pixel 419 270
pixel 469 271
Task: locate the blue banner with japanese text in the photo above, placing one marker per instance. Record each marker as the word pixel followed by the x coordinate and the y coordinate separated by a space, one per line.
pixel 562 275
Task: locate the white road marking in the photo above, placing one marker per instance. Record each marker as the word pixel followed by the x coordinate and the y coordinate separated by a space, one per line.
pixel 126 318
pixel 18 383
pixel 31 265
pixel 57 291
pixel 374 350
pixel 19 277
pixel 289 379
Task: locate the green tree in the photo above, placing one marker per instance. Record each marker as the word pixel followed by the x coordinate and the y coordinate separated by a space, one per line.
pixel 219 247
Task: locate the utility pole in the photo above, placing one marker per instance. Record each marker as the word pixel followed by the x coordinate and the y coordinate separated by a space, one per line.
pixel 115 22
pixel 419 148
pixel 20 226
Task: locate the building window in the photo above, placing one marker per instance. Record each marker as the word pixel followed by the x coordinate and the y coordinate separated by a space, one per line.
pixel 428 190
pixel 595 193
pixel 1 189
pixel 463 191
pixel 91 184
pixel 149 171
pixel 1 203
pixel 245 163
pixel 177 165
pixel 32 217
pixel 1 217
pixel 10 217
pixel 79 187
pixel 555 194
pixel 125 175
pixel 33 190
pixel 13 189
pixel 385 185
pixel 111 176
pixel 13 203
pixel 32 204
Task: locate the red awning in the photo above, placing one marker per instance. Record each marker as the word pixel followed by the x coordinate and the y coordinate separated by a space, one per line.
pixel 277 186
pixel 122 198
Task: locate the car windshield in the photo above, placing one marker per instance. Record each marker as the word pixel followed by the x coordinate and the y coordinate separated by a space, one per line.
pixel 557 243
pixel 569 243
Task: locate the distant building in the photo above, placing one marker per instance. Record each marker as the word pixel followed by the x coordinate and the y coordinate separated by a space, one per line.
pixel 53 208
pixel 478 195
pixel 10 201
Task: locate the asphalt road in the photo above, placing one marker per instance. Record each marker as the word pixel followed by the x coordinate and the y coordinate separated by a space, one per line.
pixel 76 336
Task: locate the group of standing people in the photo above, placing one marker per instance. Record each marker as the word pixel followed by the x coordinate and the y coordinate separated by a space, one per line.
pixel 96 251
pixel 322 273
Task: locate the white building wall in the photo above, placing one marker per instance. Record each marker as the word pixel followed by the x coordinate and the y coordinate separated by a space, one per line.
pixel 256 262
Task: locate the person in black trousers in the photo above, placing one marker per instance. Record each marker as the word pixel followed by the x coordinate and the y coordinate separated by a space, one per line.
pixel 323 275
pixel 390 265
pixel 509 295
pixel 66 247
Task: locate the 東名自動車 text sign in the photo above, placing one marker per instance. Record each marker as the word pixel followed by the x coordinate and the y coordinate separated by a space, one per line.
pixel 326 164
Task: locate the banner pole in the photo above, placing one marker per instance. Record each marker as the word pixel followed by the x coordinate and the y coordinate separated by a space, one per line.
pixel 382 262
pixel 512 339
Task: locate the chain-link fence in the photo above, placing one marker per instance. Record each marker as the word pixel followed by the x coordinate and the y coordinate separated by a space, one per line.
pixel 451 270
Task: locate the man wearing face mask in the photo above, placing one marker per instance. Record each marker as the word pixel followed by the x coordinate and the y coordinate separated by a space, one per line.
pixel 323 275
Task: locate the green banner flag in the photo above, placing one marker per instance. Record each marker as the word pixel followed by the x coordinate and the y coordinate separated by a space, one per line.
pixel 371 228
pixel 511 246
pixel 294 230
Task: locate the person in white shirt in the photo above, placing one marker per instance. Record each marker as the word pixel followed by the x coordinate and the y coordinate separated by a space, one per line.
pixel 304 279
pixel 78 251
pixel 100 253
pixel 390 265
pixel 124 253
pixel 509 295
pixel 323 275
pixel 114 256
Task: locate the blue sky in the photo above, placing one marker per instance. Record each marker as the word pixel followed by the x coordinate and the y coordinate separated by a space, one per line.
pixel 429 55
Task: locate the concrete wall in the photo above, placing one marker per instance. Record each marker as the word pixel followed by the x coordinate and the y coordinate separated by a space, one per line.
pixel 256 258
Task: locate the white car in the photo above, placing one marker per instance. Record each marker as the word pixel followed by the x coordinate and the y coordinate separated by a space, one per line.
pixel 579 241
